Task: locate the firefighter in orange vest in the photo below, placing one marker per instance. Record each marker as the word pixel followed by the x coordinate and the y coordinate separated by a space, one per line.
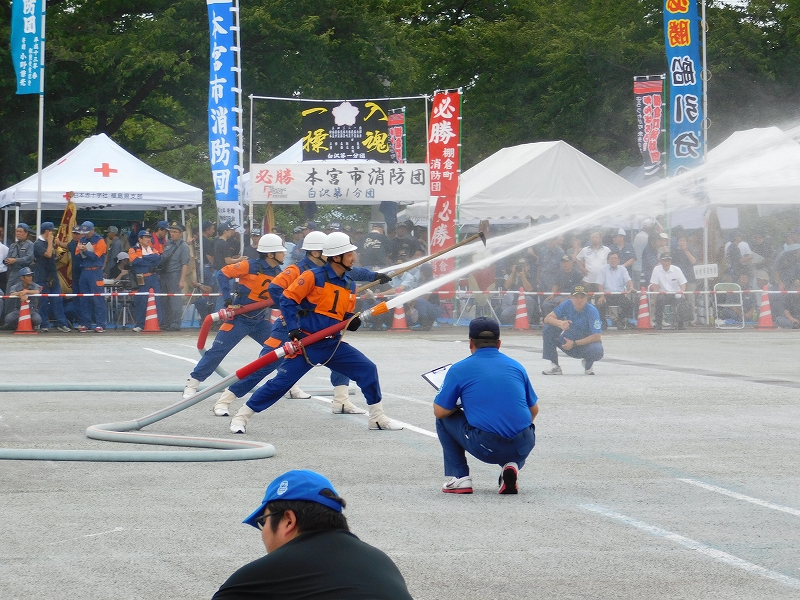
pixel 254 278
pixel 318 299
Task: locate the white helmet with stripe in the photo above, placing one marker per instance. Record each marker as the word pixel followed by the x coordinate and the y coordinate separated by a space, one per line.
pixel 336 244
pixel 315 240
pixel 270 243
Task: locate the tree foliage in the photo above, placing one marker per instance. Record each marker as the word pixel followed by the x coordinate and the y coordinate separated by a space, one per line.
pixel 531 70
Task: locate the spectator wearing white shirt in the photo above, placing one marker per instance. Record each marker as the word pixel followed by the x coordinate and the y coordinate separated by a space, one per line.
pixel 593 258
pixel 615 280
pixel 670 282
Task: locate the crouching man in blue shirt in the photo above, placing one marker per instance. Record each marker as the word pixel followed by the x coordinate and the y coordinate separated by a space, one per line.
pixel 494 422
pixel 574 327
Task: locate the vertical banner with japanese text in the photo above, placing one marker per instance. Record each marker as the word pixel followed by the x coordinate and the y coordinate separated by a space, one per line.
pixel 397 134
pixel 648 91
pixel 444 160
pixel 26 45
pixel 223 112
pixel 685 86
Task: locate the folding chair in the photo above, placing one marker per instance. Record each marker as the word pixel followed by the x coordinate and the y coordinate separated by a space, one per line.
pixel 729 295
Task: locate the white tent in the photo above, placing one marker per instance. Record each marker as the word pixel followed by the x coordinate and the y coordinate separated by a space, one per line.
pixel 756 166
pixel 102 176
pixel 529 181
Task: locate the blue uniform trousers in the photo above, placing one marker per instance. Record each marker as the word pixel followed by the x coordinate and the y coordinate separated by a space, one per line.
pixel 243 325
pixel 56 303
pixel 140 302
pixel 345 359
pixel 241 387
pixel 92 307
pixel 551 339
pixel 457 436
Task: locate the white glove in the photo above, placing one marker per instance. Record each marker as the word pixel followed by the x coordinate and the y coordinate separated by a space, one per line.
pixel 678 296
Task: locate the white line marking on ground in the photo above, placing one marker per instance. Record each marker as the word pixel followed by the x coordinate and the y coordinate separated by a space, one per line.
pixel 90 535
pixel 405 425
pixel 718 555
pixel 738 496
pixel 189 360
pixel 425 402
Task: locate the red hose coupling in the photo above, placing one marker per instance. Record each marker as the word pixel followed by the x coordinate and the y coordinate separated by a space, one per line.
pixel 292 348
pixel 226 314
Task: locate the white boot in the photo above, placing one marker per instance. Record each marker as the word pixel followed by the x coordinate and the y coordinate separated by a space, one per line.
pixel 379 420
pixel 239 422
pixel 191 388
pixel 221 407
pixel 297 393
pixel 341 402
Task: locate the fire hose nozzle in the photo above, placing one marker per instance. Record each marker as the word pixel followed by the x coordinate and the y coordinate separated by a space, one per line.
pixel 226 314
pixel 292 348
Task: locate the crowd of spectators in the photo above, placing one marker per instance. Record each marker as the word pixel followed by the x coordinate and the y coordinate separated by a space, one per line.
pixel 612 264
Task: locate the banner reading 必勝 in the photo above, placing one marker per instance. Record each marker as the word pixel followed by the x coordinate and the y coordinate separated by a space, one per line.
pixel 223 111
pixel 648 91
pixel 339 183
pixel 357 130
pixel 444 159
pixel 26 45
pixel 685 86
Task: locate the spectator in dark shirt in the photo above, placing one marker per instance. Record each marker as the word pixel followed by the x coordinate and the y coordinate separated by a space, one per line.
pixel 403 242
pixel 223 251
pixel 310 550
pixel 374 246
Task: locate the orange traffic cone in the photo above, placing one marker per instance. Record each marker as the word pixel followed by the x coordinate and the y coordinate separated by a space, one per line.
pixel 400 320
pixel 643 321
pixel 24 324
pixel 522 312
pixel 765 315
pixel 151 318
pixel 276 314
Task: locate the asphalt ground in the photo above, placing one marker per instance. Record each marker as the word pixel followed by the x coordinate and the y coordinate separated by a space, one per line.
pixel 671 473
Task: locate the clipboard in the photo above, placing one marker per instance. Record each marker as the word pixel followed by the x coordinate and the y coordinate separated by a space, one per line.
pixel 436 377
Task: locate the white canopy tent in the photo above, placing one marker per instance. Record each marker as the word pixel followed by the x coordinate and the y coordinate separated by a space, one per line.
pixel 542 179
pixel 102 175
pixel 756 166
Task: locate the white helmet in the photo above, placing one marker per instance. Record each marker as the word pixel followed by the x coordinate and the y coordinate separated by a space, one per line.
pixel 315 240
pixel 336 244
pixel 270 243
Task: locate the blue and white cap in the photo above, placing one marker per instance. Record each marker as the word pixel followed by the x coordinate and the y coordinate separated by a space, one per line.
pixel 296 485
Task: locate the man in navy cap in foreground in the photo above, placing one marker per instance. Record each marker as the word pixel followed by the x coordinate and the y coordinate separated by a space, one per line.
pixel 310 550
pixel 494 422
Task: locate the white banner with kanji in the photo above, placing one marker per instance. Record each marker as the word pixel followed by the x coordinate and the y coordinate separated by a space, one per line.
pixel 339 183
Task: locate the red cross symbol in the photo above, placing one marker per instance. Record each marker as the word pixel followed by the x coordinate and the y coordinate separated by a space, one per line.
pixel 105 170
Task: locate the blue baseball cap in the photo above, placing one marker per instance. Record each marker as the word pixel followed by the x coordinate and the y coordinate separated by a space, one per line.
pixel 24 227
pixel 162 225
pixel 87 226
pixel 25 271
pixel 484 328
pixel 296 485
pixel 144 233
pixel 47 226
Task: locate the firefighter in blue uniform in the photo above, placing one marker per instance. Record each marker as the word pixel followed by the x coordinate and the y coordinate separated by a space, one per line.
pixel 254 278
pixel 144 260
pixel 92 250
pixel 318 299
pixel 312 244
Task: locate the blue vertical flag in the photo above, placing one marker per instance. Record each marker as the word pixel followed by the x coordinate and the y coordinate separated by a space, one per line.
pixel 685 87
pixel 27 45
pixel 223 117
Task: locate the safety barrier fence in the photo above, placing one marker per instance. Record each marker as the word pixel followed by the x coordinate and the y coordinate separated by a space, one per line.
pixel 458 293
